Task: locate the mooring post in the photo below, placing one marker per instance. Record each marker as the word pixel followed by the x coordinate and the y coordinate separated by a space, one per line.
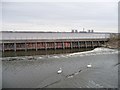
pixel 92 44
pixel 78 44
pixel 25 46
pixel 36 46
pixel 81 44
pixel 85 44
pixel 3 49
pixel 15 47
pixel 98 43
pixel 55 45
pixel 104 43
pixel 45 45
pixel 63 45
pixel 71 45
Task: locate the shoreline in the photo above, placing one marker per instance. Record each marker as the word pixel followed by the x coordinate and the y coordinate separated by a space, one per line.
pixel 44 52
pixel 96 51
pixel 113 44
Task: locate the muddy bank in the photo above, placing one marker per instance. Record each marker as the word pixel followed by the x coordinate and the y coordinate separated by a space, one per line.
pixel 113 44
pixel 114 41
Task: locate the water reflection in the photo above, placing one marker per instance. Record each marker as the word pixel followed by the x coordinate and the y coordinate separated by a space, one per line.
pixel 42 52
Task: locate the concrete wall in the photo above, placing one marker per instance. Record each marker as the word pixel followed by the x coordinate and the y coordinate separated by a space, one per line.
pixel 23 36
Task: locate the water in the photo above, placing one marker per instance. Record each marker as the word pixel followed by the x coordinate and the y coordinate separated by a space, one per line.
pixel 40 71
pixel 42 52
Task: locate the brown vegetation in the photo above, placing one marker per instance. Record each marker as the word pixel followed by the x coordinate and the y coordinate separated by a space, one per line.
pixel 114 41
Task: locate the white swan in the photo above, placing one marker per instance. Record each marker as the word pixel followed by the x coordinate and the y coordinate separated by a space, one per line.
pixel 59 71
pixel 89 66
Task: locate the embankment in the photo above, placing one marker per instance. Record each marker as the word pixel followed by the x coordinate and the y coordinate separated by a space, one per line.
pixel 114 42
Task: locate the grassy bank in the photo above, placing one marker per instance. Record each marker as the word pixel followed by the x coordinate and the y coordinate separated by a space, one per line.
pixel 114 41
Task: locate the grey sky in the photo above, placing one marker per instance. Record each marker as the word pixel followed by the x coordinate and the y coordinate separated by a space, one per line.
pixel 56 16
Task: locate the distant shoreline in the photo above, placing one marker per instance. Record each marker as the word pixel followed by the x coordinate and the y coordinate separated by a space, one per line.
pixel 52 32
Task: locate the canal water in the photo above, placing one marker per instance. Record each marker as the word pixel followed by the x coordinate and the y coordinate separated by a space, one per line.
pixel 42 52
pixel 40 71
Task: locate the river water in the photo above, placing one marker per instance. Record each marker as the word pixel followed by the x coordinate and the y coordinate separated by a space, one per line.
pixel 40 71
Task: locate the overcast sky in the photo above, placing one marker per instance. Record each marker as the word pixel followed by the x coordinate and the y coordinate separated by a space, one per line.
pixel 60 16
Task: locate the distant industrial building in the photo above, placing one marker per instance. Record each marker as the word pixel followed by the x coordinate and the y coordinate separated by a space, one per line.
pixel 83 31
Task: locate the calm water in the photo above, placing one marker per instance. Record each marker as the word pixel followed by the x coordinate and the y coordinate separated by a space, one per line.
pixel 43 52
pixel 40 71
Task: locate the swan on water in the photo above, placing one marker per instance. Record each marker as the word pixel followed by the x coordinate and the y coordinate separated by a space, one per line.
pixel 59 71
pixel 89 66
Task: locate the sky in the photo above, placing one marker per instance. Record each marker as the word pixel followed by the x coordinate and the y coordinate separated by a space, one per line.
pixel 64 16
